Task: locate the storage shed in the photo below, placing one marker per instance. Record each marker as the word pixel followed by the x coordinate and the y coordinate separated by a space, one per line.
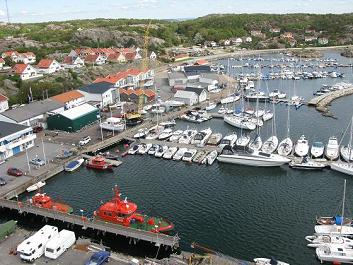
pixel 73 119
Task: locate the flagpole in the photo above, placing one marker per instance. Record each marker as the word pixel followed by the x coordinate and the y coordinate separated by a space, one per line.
pixel 44 156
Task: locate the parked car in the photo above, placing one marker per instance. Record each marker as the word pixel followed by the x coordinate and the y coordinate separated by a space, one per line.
pixel 37 129
pixel 84 140
pixel 2 182
pixel 12 171
pixel 37 162
pixel 98 258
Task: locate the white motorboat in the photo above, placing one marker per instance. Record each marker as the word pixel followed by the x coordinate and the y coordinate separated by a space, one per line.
pixel 168 124
pixel 157 109
pixel 141 133
pixel 240 122
pixel 113 124
pixel 154 132
pixel 260 96
pixel 270 145
pixel 268 115
pixel 215 139
pixel 306 163
pixel 161 150
pixel 335 253
pixel 344 230
pixel 285 147
pixel 174 138
pixel 230 99
pixel 201 137
pixel 165 134
pixel 134 149
pixel 211 106
pixel 342 167
pixel 210 158
pixel 257 159
pixel 199 156
pixel 153 149
pixel 229 139
pixel 179 154
pixel 73 165
pixel 332 148
pixel 144 148
pixel 317 149
pixel 222 110
pixel 256 144
pixel 316 241
pixel 187 136
pixel 274 93
pixel 242 141
pixel 189 155
pixel 259 113
pixel 36 186
pixel 265 261
pixel 302 146
pixel 170 152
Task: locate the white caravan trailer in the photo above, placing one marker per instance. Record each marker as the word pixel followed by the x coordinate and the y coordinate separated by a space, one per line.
pixel 33 247
pixel 57 245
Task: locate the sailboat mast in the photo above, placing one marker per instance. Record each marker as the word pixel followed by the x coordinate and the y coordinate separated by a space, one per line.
pixel 343 203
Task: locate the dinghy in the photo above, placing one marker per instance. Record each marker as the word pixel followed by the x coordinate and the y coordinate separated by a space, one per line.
pixel 36 186
pixel 73 165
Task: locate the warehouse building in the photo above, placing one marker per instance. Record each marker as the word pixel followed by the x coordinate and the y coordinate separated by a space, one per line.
pixel 73 119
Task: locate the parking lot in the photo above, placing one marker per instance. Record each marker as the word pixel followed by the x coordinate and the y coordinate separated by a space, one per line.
pixel 20 161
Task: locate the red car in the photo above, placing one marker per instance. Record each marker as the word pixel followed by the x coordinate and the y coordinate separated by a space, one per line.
pixel 14 172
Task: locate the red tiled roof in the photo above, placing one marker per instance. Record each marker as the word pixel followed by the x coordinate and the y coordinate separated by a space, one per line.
pixel 91 58
pixel 68 60
pixel 2 60
pixel 130 55
pixel 19 68
pixel 9 53
pixel 28 54
pixel 150 93
pixel 3 98
pixel 67 96
pixel 201 62
pixel 45 63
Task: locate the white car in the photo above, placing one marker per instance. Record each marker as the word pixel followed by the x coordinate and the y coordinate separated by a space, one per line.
pixel 84 141
pixel 37 162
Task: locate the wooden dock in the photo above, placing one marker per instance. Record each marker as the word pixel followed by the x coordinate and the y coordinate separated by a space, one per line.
pixel 97 225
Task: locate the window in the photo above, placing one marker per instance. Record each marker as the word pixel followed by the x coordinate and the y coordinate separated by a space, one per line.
pixel 50 250
pixel 40 245
pixel 58 249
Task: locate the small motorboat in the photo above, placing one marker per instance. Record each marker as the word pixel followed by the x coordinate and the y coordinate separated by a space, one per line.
pixel 271 261
pixel 42 200
pixel 99 163
pixel 302 147
pixel 165 134
pixel 174 138
pixel 73 165
pixel 332 148
pixel 133 150
pixel 214 139
pixel 168 124
pixel 161 150
pixel 64 154
pixel 199 156
pixel 170 152
pixel 187 136
pixel 316 241
pixel 36 186
pixel 307 163
pixel 189 155
pixel 153 149
pixel 179 154
pixel 210 158
pixel 144 148
pixel 141 133
pixel 211 106
pixel 201 137
pixel 228 140
pixel 317 149
pixel 110 156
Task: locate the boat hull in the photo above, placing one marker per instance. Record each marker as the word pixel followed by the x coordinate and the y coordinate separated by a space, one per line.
pixel 255 161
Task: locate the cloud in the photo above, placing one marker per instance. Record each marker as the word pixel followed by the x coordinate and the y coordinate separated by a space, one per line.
pixel 2 13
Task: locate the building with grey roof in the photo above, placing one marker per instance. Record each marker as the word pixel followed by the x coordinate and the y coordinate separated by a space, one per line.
pixel 100 94
pixel 32 114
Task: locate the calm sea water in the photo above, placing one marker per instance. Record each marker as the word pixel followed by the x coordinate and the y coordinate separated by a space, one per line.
pixel 244 212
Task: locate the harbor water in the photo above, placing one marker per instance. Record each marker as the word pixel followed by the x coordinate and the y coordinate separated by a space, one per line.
pixel 244 212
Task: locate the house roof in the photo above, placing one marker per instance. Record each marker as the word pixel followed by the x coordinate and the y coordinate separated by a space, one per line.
pixel 184 94
pixel 130 55
pixel 68 96
pixel 9 53
pixel 138 92
pixel 91 58
pixel 177 75
pixel 197 90
pixel 68 60
pixel 201 62
pixel 197 69
pixel 32 110
pixel 45 63
pixel 97 88
pixel 3 98
pixel 2 60
pixel 8 128
pixel 19 68
pixel 78 111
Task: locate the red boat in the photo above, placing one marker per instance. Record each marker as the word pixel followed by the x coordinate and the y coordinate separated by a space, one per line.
pixel 123 212
pixel 98 162
pixel 44 201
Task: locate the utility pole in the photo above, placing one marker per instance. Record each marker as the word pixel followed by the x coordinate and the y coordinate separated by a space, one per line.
pixel 29 167
pixel 7 12
pixel 44 156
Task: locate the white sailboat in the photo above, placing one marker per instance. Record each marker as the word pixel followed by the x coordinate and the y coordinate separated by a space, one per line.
pixel 332 148
pixel 302 146
pixel 271 144
pixel 256 144
pixel 243 140
pixel 268 115
pixel 346 151
pixel 317 149
pixel 240 122
pixel 345 168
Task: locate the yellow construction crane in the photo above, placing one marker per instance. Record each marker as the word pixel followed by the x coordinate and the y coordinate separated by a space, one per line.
pixel 145 58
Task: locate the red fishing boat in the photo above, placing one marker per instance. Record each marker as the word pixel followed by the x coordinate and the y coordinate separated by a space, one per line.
pixel 124 212
pixel 44 201
pixel 98 162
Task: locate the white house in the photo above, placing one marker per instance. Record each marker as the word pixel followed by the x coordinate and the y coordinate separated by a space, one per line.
pixel 188 97
pixel 14 138
pixel 99 94
pixel 2 63
pixel 248 39
pixel 26 58
pixel 238 41
pixel 212 82
pixel 71 99
pixel 73 62
pixel 25 71
pixel 201 92
pixel 48 66
pixel 95 59
pixel 153 56
pixel 4 103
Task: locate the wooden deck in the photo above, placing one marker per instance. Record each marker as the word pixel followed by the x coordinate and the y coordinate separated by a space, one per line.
pixel 157 238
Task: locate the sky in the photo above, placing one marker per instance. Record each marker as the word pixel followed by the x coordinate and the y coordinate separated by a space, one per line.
pixel 59 10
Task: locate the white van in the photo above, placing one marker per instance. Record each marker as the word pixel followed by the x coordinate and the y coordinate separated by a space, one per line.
pixel 57 245
pixel 33 247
